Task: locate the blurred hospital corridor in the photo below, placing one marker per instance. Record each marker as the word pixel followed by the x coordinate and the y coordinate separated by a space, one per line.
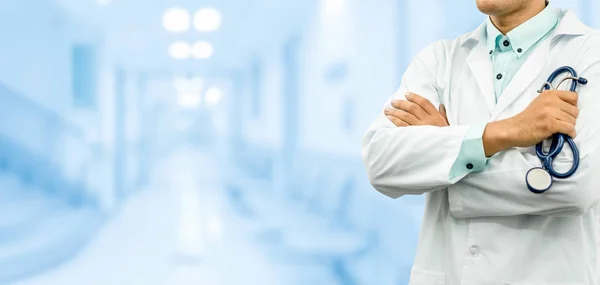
pixel 180 230
pixel 180 142
pixel 189 225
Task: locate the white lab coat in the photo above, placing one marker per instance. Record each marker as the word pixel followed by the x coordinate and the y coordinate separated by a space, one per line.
pixel 486 227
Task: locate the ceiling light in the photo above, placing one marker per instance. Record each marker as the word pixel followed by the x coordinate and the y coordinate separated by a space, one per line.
pixel 213 95
pixel 207 20
pixel 202 50
pixel 180 50
pixel 175 19
pixel 189 100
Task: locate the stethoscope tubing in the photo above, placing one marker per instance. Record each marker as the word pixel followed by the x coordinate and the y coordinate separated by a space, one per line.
pixel 558 140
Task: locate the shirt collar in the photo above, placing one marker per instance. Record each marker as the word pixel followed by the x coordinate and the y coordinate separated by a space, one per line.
pixel 524 36
pixel 568 24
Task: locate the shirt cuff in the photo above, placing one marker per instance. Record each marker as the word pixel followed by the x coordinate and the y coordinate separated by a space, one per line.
pixel 471 157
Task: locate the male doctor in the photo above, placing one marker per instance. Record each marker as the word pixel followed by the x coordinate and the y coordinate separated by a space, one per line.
pixel 462 129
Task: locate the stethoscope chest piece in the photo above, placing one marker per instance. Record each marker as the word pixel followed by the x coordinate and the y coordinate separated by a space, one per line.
pixel 538 180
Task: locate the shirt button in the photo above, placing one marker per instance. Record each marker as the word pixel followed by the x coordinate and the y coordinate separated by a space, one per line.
pixel 506 43
pixel 474 251
pixel 491 51
pixel 469 166
pixel 499 76
pixel 519 50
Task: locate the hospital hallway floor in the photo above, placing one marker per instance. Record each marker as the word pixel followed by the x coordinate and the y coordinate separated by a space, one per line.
pixel 179 230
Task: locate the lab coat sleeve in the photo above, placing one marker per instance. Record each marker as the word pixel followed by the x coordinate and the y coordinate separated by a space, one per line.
pixel 415 159
pixel 500 189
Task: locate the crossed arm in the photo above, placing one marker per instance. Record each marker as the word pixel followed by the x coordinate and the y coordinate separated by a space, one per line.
pixel 411 149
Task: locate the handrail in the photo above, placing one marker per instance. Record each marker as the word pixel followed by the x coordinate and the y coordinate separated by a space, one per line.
pixel 43 135
pixel 48 113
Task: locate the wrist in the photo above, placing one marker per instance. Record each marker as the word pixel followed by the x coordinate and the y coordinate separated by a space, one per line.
pixel 496 137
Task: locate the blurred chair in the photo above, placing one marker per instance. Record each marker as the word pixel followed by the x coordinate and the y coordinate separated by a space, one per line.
pixel 38 231
pixel 310 221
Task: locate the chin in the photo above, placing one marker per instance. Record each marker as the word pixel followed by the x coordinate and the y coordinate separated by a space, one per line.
pixel 493 7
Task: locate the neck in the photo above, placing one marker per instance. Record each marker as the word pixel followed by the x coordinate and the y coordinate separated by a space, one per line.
pixel 507 22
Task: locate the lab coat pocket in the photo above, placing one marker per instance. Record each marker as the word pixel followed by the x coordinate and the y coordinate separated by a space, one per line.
pixel 422 277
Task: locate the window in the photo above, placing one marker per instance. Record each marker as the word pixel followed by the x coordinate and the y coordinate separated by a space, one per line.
pixel 84 76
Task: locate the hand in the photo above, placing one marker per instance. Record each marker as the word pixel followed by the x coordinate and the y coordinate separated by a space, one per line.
pixel 553 111
pixel 416 111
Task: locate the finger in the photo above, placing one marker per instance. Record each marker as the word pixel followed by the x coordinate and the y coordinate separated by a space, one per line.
pixel 443 112
pixel 411 108
pixel 569 108
pixel 402 115
pixel 422 102
pixel 566 117
pixel 568 96
pixel 396 121
pixel 396 103
pixel 565 128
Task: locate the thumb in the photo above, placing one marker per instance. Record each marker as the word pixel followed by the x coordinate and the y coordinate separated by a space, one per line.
pixel 443 112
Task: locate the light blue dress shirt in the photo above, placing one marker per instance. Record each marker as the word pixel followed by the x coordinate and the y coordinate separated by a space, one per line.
pixel 507 52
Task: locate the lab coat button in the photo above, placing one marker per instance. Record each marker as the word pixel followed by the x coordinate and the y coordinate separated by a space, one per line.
pixel 499 76
pixel 469 166
pixel 474 251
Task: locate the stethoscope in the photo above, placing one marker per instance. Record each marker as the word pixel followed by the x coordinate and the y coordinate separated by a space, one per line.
pixel 539 179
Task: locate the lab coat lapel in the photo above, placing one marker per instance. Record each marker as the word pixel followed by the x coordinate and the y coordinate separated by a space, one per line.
pixel 525 76
pixel 482 70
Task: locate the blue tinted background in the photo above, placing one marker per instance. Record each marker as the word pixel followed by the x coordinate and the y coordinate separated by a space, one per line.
pixel 120 164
